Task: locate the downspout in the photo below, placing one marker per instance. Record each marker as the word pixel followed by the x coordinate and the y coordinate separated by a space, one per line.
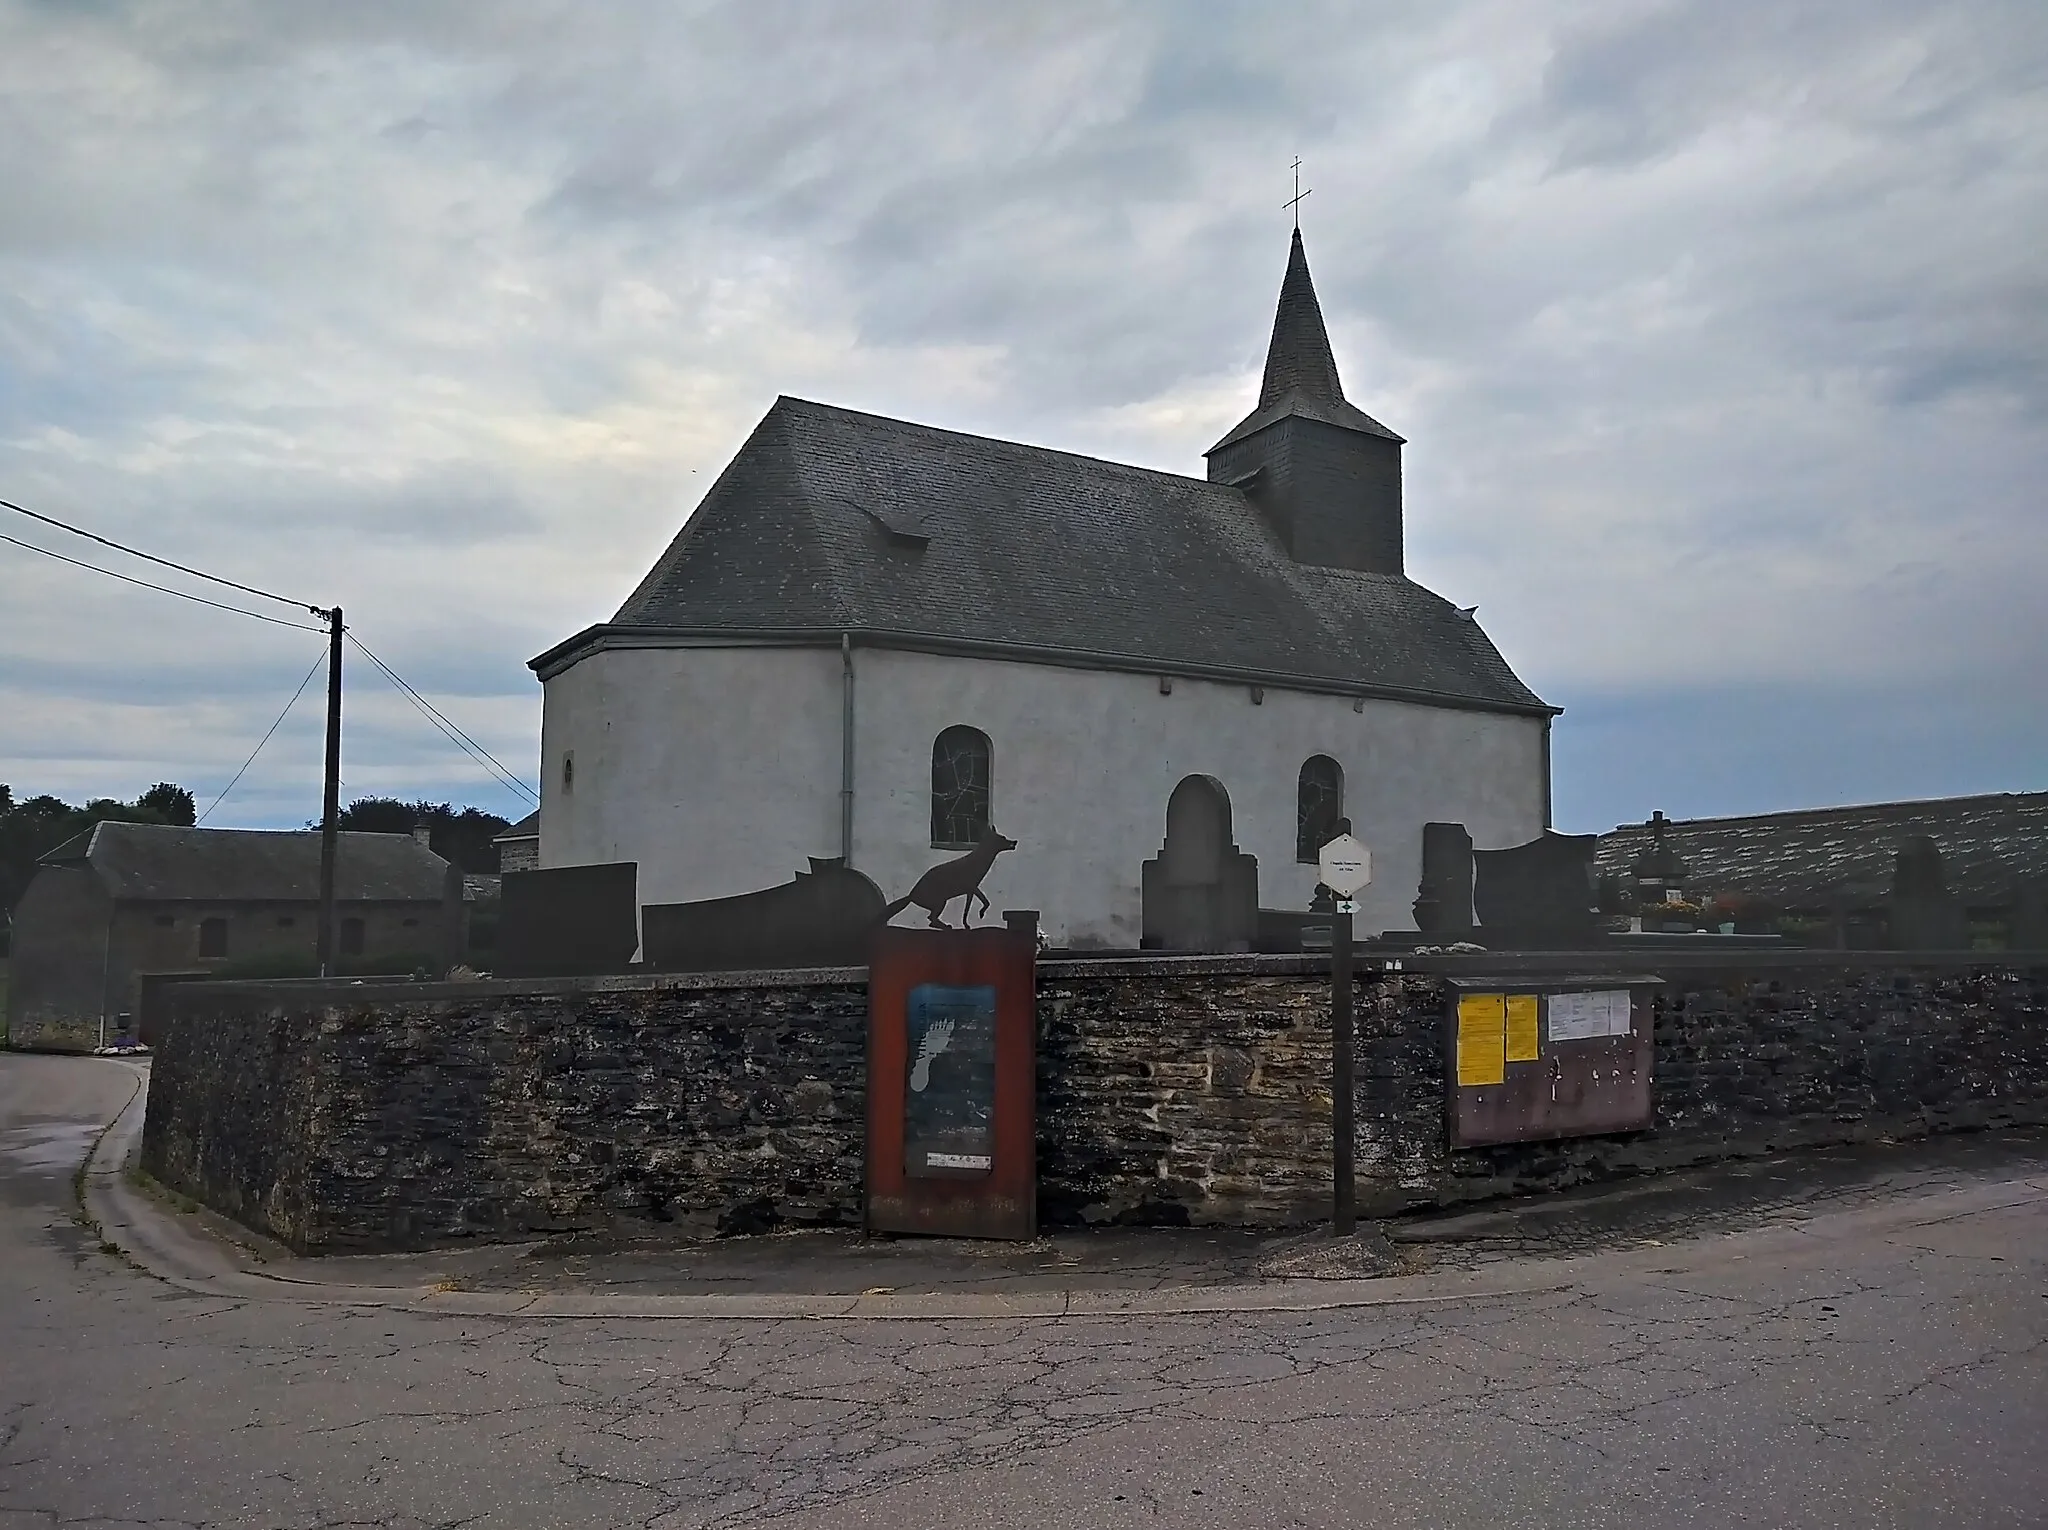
pixel 1546 773
pixel 846 749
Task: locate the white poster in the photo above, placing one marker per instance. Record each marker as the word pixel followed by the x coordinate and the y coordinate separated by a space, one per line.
pixel 1582 1016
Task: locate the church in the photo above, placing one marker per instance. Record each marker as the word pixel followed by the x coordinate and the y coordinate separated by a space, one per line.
pixel 875 642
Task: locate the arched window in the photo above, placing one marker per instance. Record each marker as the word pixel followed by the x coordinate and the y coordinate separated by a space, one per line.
pixel 960 777
pixel 1318 804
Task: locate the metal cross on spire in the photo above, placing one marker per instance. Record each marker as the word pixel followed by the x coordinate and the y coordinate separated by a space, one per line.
pixel 1294 202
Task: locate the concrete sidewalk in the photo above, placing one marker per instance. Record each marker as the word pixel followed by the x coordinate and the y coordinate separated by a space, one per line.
pixel 1543 1243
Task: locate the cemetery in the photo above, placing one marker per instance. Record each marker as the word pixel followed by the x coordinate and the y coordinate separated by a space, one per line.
pixel 1516 1040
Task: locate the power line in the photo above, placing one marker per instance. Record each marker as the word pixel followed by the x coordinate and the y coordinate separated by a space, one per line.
pixel 133 552
pixel 322 659
pixel 161 588
pixel 454 734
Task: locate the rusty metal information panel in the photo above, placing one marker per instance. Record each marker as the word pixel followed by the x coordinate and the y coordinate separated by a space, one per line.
pixel 952 1062
pixel 1556 1058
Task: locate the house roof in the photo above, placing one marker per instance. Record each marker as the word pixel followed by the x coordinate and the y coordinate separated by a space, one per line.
pixel 158 862
pixel 1799 860
pixel 1301 369
pixel 527 828
pixel 831 521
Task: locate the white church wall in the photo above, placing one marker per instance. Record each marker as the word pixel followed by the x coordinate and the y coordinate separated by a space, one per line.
pixel 718 770
pixel 1084 761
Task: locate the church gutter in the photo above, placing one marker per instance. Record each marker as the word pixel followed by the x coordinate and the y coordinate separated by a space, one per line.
pixel 598 639
pixel 846 749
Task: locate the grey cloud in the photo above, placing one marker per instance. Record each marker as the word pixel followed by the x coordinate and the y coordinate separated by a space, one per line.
pixel 1719 319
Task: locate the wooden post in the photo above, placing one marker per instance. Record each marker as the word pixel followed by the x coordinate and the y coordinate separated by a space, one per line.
pixel 1343 1071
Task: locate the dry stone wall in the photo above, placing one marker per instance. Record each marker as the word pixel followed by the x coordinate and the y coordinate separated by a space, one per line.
pixel 1190 1091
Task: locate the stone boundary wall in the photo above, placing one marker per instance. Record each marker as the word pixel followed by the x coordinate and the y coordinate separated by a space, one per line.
pixel 1171 1090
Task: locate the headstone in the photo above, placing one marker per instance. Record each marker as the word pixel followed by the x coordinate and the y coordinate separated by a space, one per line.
pixel 823 917
pixel 1443 902
pixel 568 921
pixel 1200 893
pixel 1538 894
pixel 1922 914
pixel 2027 916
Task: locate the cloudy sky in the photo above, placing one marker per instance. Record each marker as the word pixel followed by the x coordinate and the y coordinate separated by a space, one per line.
pixel 1719 332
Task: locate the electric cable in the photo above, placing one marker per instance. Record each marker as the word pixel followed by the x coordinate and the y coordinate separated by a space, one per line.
pixel 322 659
pixel 162 588
pixel 134 552
pixel 454 734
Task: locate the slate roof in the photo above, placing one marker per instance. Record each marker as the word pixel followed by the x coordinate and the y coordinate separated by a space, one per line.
pixel 831 521
pixel 1797 860
pixel 1301 369
pixel 157 862
pixel 527 828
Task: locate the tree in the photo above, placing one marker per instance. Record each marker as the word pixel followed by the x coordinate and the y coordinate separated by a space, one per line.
pixel 463 837
pixel 173 804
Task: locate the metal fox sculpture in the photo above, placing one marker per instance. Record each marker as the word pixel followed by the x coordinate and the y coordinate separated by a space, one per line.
pixel 957 878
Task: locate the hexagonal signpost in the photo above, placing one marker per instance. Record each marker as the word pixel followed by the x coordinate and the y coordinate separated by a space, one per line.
pixel 1345 865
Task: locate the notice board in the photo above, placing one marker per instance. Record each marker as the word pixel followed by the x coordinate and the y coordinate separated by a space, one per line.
pixel 1560 1057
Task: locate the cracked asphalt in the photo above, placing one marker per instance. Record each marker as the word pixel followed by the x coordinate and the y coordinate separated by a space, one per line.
pixel 1870 1360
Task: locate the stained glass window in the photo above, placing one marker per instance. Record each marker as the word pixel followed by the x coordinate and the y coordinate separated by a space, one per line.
pixel 960 777
pixel 1318 804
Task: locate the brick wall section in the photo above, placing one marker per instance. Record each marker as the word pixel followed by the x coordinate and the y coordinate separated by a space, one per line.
pixel 413 1115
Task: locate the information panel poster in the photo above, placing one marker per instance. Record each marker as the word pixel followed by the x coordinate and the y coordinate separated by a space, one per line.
pixel 1482 1039
pixel 949 1108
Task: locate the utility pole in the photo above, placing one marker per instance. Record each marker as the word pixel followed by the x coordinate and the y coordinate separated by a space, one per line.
pixel 330 813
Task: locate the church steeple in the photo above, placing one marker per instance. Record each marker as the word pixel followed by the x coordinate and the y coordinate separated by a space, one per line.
pixel 1326 474
pixel 1299 359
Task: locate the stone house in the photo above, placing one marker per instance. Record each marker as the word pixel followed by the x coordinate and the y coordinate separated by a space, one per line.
pixel 119 908
pixel 519 845
pixel 874 640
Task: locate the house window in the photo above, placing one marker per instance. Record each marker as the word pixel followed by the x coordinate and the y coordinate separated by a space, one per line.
pixel 351 937
pixel 213 937
pixel 1318 804
pixel 960 777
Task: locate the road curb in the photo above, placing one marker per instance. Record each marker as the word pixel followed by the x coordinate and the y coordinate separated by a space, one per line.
pixel 156 1243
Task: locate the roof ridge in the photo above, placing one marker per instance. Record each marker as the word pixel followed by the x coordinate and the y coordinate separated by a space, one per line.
pixel 1131 469
pixel 1845 807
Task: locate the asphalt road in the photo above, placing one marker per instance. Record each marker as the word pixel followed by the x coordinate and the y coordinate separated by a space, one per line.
pixel 1881 1365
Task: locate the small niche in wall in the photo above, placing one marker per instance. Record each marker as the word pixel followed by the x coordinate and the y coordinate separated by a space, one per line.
pixel 569 770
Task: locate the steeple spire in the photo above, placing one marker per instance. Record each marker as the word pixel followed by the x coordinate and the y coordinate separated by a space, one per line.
pixel 1325 475
pixel 1299 359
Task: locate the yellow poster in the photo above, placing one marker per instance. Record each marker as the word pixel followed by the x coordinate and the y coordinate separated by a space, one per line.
pixel 1522 1027
pixel 1482 1035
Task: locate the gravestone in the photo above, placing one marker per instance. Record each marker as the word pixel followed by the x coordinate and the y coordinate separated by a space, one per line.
pixel 823 917
pixel 1540 894
pixel 568 921
pixel 2027 919
pixel 1200 893
pixel 1443 901
pixel 1922 914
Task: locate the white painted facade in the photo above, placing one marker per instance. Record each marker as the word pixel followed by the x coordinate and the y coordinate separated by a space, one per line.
pixel 719 770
